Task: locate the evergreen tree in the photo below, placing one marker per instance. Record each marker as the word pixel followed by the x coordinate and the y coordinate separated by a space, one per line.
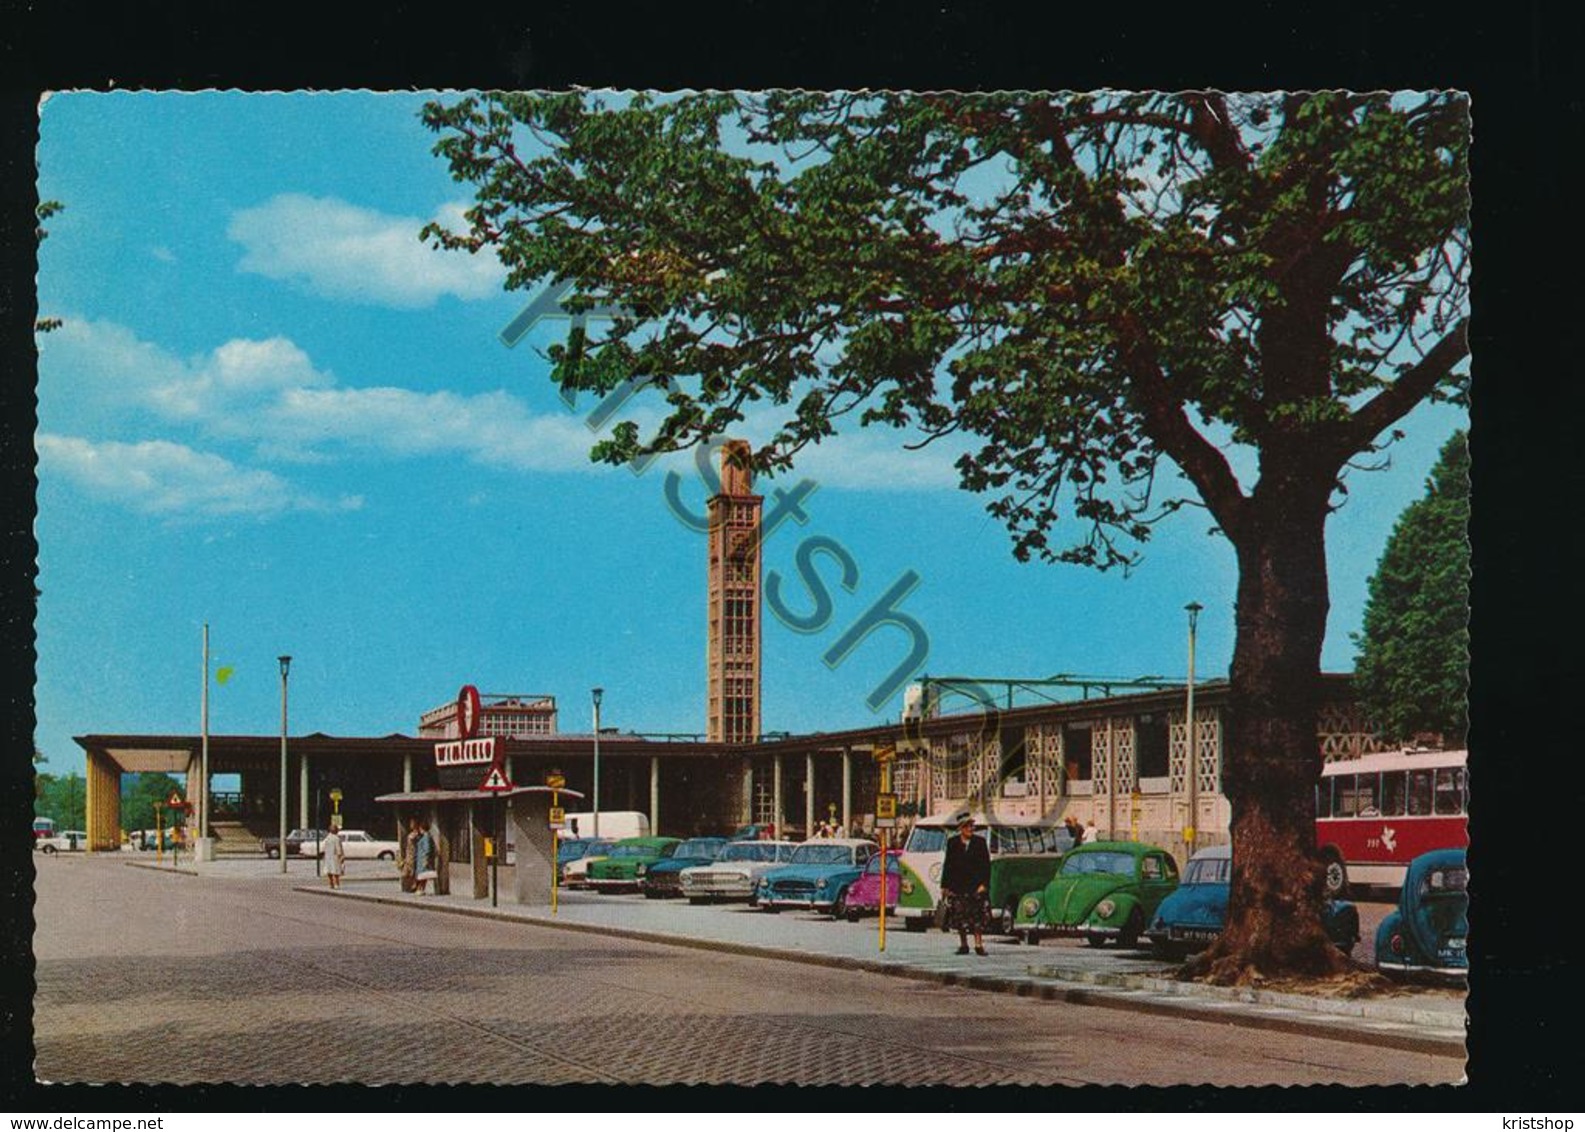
pixel 1413 665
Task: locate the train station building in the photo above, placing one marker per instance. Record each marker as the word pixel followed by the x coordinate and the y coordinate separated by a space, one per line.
pixel 1132 764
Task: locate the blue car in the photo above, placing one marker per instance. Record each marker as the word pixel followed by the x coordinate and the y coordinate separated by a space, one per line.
pixel 664 878
pixel 1426 934
pixel 817 876
pixel 1195 913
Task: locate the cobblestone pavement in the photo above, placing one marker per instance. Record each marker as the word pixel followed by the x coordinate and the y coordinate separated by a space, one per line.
pixel 146 976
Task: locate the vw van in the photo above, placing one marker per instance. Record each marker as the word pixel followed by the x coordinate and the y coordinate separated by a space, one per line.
pixel 1024 856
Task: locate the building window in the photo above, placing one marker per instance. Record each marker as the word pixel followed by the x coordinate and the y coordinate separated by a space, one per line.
pixel 1076 743
pixel 1150 744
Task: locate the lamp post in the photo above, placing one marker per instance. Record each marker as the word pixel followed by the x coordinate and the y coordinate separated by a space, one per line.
pixel 286 664
pixel 597 693
pixel 1191 832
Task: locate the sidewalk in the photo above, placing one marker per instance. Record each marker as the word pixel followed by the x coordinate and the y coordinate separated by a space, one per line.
pixel 1422 1019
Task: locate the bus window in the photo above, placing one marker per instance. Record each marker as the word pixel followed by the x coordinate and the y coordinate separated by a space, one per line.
pixel 1356 793
pixel 1450 790
pixel 1419 793
pixel 1393 787
pixel 1323 799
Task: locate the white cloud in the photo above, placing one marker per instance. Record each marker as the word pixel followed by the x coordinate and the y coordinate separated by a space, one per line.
pixel 86 358
pixel 159 477
pixel 341 251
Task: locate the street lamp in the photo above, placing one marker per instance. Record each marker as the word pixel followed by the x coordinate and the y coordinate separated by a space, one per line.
pixel 1191 833
pixel 597 692
pixel 286 664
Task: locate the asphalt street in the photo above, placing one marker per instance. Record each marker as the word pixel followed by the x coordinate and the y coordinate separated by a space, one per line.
pixel 145 976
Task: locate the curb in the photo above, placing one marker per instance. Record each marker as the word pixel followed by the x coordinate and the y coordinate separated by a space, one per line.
pixel 1118 992
pixel 169 869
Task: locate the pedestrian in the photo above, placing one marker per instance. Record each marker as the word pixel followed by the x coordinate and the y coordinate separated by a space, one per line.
pixel 408 865
pixel 1090 835
pixel 424 860
pixel 965 885
pixel 1075 830
pixel 335 857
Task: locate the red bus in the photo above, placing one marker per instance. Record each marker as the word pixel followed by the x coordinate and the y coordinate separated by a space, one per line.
pixel 1376 813
pixel 42 828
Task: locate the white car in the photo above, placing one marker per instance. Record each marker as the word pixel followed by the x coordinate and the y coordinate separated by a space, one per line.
pixel 357 845
pixel 733 875
pixel 67 841
pixel 575 874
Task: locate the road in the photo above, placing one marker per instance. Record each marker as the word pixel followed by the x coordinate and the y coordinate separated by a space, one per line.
pixel 147 976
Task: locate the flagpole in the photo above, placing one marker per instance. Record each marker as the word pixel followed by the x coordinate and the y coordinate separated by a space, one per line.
pixel 203 759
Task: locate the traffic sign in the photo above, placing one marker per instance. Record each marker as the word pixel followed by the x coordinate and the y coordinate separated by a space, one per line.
pixel 468 712
pixel 495 781
pixel 558 818
pixel 174 800
pixel 885 811
pixel 555 780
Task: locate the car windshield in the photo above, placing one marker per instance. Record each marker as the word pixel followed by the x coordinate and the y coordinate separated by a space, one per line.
pixel 634 851
pixel 927 839
pixel 748 851
pixel 1112 864
pixel 708 847
pixel 814 854
pixel 572 850
pixel 1438 882
pixel 1209 870
pixel 874 867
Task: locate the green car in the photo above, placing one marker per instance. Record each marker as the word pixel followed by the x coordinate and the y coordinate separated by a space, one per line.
pixel 1105 890
pixel 625 865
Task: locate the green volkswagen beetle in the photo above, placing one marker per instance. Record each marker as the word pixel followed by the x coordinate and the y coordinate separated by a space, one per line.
pixel 1105 890
pixel 625 865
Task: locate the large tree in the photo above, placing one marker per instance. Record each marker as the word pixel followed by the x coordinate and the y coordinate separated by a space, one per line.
pixel 1412 671
pixel 1093 290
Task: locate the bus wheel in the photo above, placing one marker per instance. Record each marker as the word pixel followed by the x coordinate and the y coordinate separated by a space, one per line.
pixel 1006 918
pixel 915 923
pixel 1336 877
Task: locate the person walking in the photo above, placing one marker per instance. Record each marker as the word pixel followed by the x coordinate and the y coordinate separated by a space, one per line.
pixel 965 885
pixel 1090 835
pixel 335 857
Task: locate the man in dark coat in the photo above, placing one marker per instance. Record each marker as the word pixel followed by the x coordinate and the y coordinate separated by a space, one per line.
pixel 966 883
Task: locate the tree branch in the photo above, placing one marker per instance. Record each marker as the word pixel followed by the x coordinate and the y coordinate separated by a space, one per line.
pixel 1404 394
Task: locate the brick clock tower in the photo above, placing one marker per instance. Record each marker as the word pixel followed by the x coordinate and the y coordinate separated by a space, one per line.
pixel 733 651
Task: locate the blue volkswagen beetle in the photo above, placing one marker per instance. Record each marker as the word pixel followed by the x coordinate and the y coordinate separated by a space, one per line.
pixel 1196 911
pixel 1427 932
pixel 817 876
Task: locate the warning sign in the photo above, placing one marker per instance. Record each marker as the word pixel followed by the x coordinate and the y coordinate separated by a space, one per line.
pixel 495 780
pixel 885 811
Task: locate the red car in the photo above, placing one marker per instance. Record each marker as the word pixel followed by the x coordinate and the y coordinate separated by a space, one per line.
pixel 864 898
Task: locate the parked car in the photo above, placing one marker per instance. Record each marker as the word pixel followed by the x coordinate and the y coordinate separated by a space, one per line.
pixel 624 867
pixel 864 897
pixel 150 839
pixel 66 841
pixel 1105 890
pixel 575 873
pixel 817 876
pixel 1196 911
pixel 663 879
pixel 294 843
pixel 1426 934
pixel 571 849
pixel 735 874
pixel 359 846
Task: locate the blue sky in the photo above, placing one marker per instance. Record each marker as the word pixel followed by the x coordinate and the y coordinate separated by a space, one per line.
pixel 273 410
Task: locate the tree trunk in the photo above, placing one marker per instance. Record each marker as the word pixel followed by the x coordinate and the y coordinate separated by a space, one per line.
pixel 1271 750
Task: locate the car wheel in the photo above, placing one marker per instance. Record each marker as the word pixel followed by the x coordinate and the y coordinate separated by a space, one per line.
pixel 852 915
pixel 697 900
pixel 1030 938
pixel 271 854
pixel 50 849
pixel 839 906
pixel 1093 940
pixel 1007 917
pixel 915 924
pixel 651 894
pixel 1129 937
pixel 1336 877
pixel 387 856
